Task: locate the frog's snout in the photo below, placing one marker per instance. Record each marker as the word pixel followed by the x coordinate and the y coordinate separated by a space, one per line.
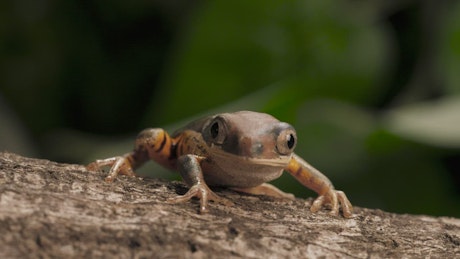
pixel 250 148
pixel 257 149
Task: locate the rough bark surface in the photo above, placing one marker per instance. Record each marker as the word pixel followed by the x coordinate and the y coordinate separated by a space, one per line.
pixel 49 209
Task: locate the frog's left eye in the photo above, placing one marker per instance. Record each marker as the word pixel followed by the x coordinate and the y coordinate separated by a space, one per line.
pixel 217 131
pixel 286 141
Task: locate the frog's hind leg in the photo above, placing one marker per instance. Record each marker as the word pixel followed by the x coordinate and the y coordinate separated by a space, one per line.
pixel 266 189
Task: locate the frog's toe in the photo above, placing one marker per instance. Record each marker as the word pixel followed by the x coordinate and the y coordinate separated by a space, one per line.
pixel 94 166
pixel 204 194
pixel 334 200
pixel 317 204
pixel 347 208
pixel 192 192
pixel 118 165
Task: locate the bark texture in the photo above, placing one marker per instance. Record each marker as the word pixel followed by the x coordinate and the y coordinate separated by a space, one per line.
pixel 49 209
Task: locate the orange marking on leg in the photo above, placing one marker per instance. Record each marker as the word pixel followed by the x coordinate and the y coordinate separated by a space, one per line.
pixel 163 142
pixel 315 180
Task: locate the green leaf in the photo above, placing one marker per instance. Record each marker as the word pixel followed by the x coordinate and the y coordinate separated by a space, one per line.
pixel 434 123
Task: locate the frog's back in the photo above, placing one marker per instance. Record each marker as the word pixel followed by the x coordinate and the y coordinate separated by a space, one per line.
pixel 196 125
pixel 246 121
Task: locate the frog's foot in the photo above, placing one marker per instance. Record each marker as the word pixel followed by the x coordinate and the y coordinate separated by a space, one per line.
pixel 202 192
pixel 333 199
pixel 119 165
pixel 266 189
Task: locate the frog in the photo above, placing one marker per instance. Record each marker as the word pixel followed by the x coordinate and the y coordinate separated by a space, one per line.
pixel 242 151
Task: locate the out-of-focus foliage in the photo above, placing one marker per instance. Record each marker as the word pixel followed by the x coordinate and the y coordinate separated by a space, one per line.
pixel 371 86
pixel 450 51
pixel 234 48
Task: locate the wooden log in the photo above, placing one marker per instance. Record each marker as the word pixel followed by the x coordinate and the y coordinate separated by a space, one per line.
pixel 49 209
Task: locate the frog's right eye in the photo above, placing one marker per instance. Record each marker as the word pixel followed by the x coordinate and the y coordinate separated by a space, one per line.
pixel 286 141
pixel 217 131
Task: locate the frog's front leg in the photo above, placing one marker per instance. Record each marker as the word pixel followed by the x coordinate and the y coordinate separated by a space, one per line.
pixel 119 165
pixel 153 144
pixel 189 167
pixel 315 180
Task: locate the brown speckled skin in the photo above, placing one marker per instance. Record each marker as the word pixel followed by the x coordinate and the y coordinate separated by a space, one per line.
pixel 241 150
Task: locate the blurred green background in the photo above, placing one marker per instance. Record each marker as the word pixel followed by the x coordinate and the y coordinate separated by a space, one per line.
pixel 372 87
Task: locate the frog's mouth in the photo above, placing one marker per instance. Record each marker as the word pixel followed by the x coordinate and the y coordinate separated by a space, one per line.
pixel 223 157
pixel 241 171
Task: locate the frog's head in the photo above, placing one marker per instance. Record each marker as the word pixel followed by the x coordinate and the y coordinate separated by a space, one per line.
pixel 250 135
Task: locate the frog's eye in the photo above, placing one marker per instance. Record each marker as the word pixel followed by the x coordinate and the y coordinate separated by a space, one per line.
pixel 217 131
pixel 286 141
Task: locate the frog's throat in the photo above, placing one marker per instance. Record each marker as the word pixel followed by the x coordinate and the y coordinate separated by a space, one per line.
pixel 219 154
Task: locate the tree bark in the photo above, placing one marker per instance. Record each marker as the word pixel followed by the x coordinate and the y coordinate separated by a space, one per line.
pixel 49 209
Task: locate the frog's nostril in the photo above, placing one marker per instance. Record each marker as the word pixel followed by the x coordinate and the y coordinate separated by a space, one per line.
pixel 257 149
